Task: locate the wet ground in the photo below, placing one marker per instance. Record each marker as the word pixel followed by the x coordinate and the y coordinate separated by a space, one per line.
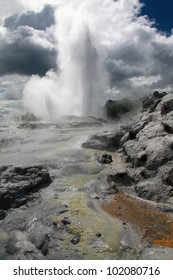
pixel 73 170
pixel 115 229
pixel 152 225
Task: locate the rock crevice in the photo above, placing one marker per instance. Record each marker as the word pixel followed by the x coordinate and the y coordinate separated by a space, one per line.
pixel 146 143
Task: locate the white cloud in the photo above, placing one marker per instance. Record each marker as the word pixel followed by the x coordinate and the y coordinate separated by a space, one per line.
pixel 137 57
pixel 11 87
pixel 9 7
pixel 27 43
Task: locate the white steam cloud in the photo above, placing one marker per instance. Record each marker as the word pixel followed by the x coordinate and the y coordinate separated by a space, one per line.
pixel 81 78
pixel 99 43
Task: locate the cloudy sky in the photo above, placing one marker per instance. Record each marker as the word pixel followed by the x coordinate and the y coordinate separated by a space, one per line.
pixel 135 36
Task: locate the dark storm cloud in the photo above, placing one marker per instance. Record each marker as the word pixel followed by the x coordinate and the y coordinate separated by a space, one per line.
pixel 128 59
pixel 137 57
pixel 23 57
pixel 141 62
pixel 163 57
pixel 123 63
pixel 37 20
pixel 27 47
pixel 120 71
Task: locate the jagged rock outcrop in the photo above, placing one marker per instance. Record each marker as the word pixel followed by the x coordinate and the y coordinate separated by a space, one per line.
pixel 107 140
pixel 34 232
pixel 18 184
pixel 150 102
pixel 147 146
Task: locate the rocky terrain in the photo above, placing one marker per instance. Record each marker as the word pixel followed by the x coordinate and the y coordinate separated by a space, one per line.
pixel 146 146
pixel 19 184
pixel 146 143
pixel 47 210
pixel 55 207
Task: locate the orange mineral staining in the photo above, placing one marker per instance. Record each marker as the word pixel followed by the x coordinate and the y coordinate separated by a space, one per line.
pixel 154 225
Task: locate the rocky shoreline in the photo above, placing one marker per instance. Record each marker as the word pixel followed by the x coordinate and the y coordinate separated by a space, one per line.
pixel 46 211
pixel 129 175
pixel 146 146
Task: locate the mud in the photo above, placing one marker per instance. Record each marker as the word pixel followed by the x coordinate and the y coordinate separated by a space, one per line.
pixel 153 225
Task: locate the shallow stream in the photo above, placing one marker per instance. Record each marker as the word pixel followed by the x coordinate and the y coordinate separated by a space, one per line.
pixel 74 171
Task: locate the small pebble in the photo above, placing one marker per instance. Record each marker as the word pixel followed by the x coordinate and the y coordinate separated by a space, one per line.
pixel 76 239
pixel 65 221
pixel 66 205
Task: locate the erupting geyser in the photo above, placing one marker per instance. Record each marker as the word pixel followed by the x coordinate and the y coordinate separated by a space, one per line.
pixel 89 36
pixel 90 73
pixel 80 80
pixel 79 57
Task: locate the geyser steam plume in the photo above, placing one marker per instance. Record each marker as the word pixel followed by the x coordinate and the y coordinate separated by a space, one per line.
pixel 81 79
pixel 92 77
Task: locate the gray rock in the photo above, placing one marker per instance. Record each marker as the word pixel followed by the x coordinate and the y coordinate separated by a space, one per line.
pixel 167 176
pixel 45 249
pixel 150 190
pixel 105 159
pixel 151 101
pixel 168 126
pixel 76 239
pixel 65 221
pixel 146 143
pixel 135 128
pixel 18 184
pixel 167 107
pixel 106 141
pixel 29 234
pixel 120 178
pixel 151 148
pixel 38 234
pixel 18 246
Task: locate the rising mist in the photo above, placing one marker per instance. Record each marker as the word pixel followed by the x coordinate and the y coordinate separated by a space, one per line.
pixel 84 31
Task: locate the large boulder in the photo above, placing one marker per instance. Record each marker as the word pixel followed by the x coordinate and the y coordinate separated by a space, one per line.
pixel 146 142
pixel 106 140
pixel 17 184
pixel 149 149
pixel 150 102
pixel 167 107
pixel 158 188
